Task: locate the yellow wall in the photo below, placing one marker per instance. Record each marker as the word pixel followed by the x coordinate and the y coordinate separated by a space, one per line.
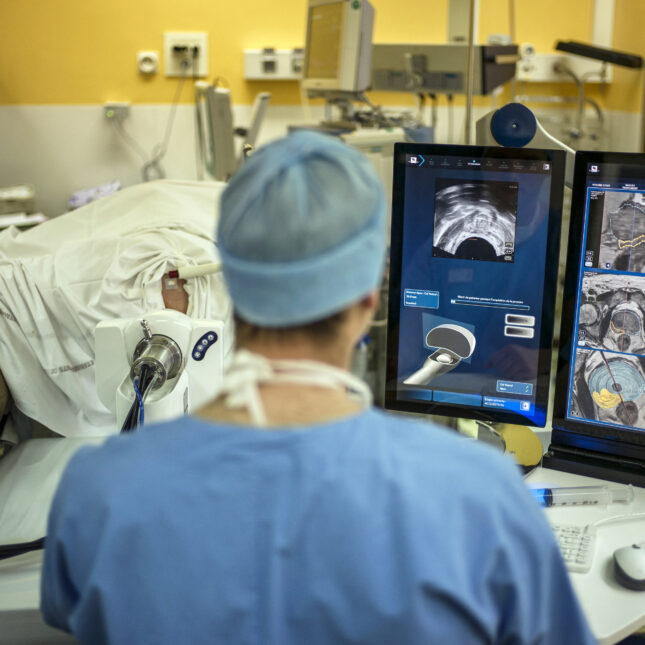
pixel 84 51
pixel 626 90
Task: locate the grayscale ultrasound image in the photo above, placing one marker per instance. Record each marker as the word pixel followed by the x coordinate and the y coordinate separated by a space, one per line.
pixel 475 220
pixel 612 313
pixel 609 388
pixel 622 243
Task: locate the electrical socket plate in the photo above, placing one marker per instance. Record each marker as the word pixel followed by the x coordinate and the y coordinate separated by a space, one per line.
pixel 116 110
pixel 189 39
pixel 273 64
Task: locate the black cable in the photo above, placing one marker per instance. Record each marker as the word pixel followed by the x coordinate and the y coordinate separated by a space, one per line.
pixel 12 550
pixel 128 423
pixel 147 377
pixel 131 420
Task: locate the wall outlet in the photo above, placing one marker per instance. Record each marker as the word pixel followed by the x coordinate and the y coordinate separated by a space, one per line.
pixel 186 53
pixel 116 110
pixel 148 62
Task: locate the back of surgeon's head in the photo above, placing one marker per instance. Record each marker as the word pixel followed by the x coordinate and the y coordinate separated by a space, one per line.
pixel 301 232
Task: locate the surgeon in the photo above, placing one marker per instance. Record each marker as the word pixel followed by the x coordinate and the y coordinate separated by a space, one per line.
pixel 289 510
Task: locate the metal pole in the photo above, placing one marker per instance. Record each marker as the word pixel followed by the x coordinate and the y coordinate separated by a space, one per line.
pixel 470 70
pixel 643 113
pixel 512 34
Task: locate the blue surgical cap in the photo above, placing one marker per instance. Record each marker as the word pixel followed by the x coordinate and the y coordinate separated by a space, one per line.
pixel 301 232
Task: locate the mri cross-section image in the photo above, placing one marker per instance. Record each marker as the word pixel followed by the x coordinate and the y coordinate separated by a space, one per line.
pixel 612 313
pixel 475 220
pixel 609 388
pixel 622 243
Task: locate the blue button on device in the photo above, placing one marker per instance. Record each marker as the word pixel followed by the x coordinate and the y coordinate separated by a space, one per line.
pixel 203 345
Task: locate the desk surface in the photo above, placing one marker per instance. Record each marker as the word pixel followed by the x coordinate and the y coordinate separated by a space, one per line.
pixel 612 611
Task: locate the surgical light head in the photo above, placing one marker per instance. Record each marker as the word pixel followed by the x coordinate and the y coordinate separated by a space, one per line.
pixel 453 344
pixel 302 231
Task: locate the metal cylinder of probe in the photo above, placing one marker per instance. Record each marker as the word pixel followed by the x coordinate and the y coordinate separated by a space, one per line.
pixel 161 355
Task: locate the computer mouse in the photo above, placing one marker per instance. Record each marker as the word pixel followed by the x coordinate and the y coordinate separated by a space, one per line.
pixel 629 566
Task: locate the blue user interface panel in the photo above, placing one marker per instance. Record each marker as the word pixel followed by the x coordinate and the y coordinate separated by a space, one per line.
pixel 474 257
pixel 606 384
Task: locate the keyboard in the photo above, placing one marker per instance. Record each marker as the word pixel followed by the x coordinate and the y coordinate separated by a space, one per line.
pixel 577 543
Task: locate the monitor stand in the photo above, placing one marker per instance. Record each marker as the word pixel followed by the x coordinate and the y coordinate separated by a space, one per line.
pixel 519 441
pixel 488 433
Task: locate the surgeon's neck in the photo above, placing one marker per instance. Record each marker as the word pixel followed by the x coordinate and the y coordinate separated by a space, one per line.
pixel 295 347
pixel 335 348
pixel 284 406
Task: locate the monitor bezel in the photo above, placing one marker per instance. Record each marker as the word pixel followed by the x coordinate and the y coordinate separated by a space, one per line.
pixel 391 401
pixel 600 438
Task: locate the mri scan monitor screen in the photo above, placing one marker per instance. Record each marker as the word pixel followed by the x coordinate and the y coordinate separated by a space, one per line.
pixel 474 256
pixel 599 411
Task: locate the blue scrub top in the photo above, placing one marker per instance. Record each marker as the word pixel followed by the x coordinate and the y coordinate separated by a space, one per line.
pixel 373 529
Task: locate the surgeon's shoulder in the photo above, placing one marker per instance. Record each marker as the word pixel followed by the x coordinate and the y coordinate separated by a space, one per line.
pixel 414 431
pixel 89 464
pixel 429 445
pixel 125 458
pixel 97 469
pixel 422 456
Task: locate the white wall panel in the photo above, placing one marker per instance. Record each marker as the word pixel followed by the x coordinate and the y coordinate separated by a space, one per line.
pixel 62 149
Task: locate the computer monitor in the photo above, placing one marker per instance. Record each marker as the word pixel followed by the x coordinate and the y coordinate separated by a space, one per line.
pixel 338 46
pixel 473 264
pixel 599 409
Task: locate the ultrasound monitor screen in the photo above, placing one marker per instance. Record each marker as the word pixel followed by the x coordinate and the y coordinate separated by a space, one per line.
pixel 473 265
pixel 475 220
pixel 601 375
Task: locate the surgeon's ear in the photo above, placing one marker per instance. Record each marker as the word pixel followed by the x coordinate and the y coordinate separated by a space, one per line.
pixel 371 301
